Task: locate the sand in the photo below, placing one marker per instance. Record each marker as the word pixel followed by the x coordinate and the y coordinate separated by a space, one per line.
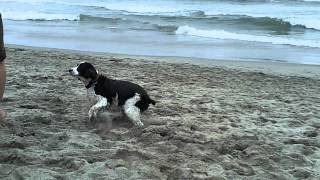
pixel 217 120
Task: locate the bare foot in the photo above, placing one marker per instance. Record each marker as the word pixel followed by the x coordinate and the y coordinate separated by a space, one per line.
pixel 3 115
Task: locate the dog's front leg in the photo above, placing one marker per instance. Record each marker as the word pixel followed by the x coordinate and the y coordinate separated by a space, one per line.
pixel 102 102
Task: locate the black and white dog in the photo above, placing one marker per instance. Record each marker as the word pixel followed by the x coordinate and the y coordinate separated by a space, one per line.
pixel 132 98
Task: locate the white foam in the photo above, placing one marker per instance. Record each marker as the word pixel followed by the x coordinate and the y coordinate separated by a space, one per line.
pixel 221 34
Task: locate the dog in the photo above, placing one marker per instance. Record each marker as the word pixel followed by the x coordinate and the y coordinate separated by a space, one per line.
pixel 130 97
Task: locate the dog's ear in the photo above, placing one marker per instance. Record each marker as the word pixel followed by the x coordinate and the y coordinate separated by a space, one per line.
pixel 91 73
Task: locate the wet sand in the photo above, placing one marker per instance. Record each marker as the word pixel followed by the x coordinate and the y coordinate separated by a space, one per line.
pixel 217 120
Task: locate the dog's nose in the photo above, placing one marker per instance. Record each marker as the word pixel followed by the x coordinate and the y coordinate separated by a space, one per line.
pixel 70 70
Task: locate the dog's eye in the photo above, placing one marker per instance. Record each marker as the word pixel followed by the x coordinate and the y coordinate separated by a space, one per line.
pixel 78 64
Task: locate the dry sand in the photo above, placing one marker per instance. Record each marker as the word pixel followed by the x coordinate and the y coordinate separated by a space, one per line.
pixel 217 121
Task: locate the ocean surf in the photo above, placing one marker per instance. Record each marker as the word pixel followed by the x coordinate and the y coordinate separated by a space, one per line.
pixel 281 30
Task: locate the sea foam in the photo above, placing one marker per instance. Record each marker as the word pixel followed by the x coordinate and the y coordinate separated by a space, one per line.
pixel 222 34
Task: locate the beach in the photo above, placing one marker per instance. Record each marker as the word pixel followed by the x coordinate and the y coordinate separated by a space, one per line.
pixel 213 119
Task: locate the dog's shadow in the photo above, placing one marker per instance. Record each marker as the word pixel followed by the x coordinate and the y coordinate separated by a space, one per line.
pixel 114 118
pixel 107 121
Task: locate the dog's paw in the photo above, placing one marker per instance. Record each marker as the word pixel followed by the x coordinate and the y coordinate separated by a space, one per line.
pixel 139 124
pixel 92 115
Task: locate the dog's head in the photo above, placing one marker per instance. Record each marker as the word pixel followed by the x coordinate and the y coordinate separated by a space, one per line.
pixel 84 72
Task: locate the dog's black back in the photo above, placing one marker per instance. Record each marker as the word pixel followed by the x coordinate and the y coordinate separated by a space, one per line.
pixel 123 90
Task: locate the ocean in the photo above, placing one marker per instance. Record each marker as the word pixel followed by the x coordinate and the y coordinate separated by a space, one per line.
pixel 248 30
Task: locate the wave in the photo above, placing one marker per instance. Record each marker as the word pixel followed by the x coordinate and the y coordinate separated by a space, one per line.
pixel 89 18
pixel 135 24
pixel 270 19
pixel 37 16
pixel 221 34
pixel 306 23
pixel 276 23
pixel 270 23
pixel 65 9
pixel 168 28
pixel 197 14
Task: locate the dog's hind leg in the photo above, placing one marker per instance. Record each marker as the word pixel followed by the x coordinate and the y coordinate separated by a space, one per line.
pixel 132 111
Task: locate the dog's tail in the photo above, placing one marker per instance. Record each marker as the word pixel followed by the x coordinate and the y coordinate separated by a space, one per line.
pixel 152 101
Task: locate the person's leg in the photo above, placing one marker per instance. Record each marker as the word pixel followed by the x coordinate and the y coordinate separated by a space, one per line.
pixel 2 78
pixel 2 68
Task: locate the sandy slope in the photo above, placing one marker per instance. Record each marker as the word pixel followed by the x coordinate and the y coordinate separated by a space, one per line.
pixel 209 123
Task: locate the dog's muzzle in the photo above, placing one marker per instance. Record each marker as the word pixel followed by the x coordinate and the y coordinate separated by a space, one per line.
pixel 73 71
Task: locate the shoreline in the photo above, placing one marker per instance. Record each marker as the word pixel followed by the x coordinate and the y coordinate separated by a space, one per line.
pixel 263 66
